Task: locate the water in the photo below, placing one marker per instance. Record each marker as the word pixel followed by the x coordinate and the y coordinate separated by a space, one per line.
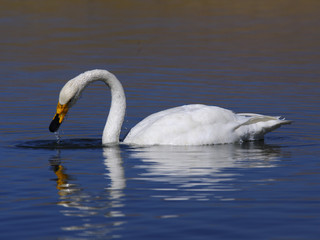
pixel 248 57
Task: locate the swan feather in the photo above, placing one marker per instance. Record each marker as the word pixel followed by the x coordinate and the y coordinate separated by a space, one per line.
pixel 199 124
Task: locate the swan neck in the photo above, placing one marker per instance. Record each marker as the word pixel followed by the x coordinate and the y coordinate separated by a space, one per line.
pixel 111 132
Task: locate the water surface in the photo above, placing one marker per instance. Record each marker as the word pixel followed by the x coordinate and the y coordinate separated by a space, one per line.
pixel 247 57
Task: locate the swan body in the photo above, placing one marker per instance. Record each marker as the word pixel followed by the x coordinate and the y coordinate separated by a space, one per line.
pixel 194 124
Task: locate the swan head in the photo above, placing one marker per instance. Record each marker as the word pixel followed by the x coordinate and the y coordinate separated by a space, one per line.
pixel 69 95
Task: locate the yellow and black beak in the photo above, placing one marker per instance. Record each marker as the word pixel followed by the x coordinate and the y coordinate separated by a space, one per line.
pixel 58 118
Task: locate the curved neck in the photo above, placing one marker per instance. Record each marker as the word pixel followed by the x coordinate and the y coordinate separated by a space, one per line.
pixel 117 110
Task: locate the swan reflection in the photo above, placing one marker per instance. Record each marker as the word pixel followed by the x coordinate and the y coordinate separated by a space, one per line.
pixel 200 173
pixel 115 172
pixel 202 170
pixel 80 202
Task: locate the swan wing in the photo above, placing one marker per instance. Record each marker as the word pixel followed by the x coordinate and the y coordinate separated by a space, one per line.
pixel 198 124
pixel 194 124
pixel 255 126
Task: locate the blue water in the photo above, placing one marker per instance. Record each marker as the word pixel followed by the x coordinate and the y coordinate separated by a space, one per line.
pixel 247 57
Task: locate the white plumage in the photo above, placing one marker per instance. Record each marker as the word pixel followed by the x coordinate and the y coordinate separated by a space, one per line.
pixel 194 124
pixel 198 124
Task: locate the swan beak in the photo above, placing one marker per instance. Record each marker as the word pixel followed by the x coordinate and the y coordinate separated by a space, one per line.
pixel 58 117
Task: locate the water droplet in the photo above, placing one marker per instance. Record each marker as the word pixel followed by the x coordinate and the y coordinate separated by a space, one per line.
pixel 58 137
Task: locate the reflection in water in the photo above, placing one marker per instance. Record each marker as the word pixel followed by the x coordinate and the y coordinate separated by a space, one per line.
pixel 175 173
pixel 200 171
pixel 63 186
pixel 113 163
pixel 80 203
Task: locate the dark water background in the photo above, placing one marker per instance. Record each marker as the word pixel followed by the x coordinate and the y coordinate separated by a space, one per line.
pixel 248 56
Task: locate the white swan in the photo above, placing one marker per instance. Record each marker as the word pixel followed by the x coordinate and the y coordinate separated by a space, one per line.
pixel 194 124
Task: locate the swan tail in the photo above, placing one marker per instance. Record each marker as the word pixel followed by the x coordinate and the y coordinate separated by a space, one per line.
pixel 256 125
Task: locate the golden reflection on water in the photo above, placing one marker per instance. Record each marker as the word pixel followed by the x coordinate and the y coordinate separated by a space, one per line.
pixel 166 7
pixel 58 33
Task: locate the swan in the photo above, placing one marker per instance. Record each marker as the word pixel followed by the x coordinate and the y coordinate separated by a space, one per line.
pixel 193 124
